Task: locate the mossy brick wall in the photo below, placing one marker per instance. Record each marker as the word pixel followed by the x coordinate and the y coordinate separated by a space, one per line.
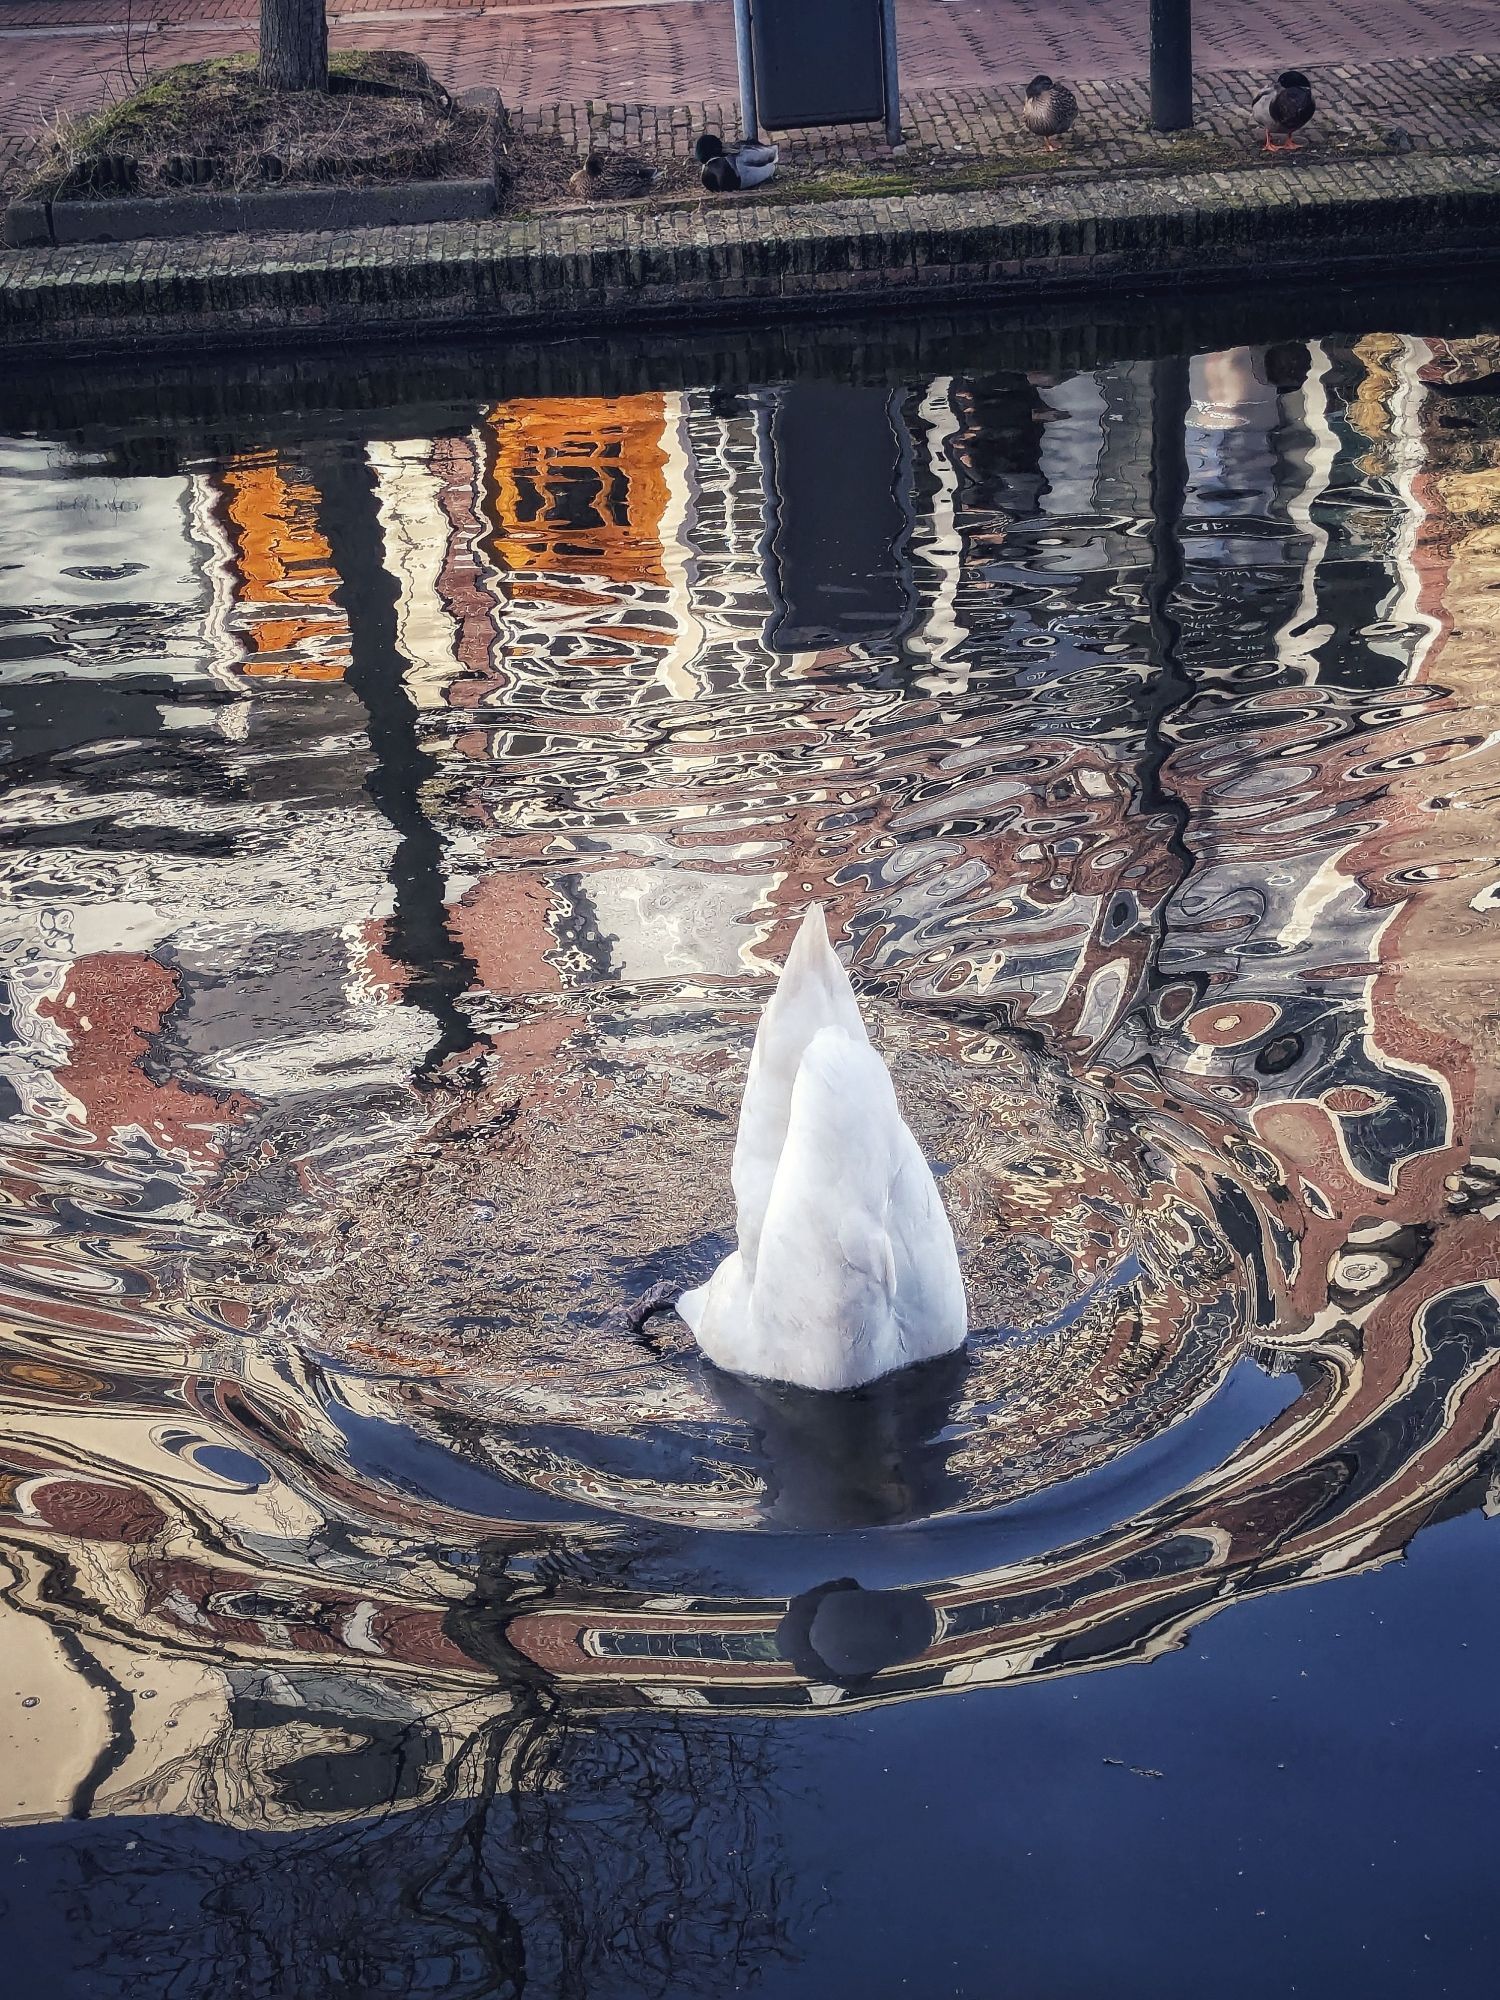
pixel 614 266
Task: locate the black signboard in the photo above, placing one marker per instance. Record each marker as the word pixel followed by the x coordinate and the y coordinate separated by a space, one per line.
pixel 818 62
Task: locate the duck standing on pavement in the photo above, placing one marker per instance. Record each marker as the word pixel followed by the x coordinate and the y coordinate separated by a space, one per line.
pixel 1049 110
pixel 727 169
pixel 1284 109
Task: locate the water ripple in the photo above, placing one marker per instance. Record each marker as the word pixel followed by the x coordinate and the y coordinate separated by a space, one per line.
pixel 384 932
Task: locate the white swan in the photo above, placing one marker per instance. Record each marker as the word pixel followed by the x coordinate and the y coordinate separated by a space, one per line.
pixel 846 1268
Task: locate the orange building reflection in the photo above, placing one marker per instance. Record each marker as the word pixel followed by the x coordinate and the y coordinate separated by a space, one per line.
pixel 578 484
pixel 284 579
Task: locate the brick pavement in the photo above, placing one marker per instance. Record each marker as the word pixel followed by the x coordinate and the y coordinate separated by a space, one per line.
pixel 70 53
pixel 614 70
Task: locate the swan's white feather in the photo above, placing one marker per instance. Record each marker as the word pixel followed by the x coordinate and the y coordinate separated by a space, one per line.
pixel 812 993
pixel 846 1268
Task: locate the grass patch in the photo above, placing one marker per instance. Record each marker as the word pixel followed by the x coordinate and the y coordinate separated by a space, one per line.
pixel 942 175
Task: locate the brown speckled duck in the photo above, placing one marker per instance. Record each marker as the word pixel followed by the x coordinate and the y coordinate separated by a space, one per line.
pixel 1049 110
pixel 612 177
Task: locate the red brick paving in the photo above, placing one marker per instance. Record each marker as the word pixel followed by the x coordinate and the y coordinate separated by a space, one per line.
pixel 674 51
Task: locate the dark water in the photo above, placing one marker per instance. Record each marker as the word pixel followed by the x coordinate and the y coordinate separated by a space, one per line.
pixel 414 771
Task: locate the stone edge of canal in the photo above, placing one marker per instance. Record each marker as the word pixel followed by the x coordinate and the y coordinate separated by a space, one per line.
pixel 572 273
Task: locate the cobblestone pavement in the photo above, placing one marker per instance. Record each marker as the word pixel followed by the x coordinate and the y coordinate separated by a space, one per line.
pixel 1446 105
pixel 1450 104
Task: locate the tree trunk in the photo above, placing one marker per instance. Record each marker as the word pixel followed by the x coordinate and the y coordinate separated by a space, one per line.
pixel 294 44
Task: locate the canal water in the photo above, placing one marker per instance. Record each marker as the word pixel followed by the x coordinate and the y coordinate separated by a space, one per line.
pixel 415 767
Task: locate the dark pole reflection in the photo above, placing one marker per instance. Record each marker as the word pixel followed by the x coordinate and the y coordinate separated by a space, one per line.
pixel 842 1633
pixel 421 936
pixel 1169 685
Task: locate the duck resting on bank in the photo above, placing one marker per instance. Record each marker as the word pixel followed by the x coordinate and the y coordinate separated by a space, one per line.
pixel 846 1268
pixel 727 169
pixel 612 177
pixel 1049 110
pixel 1284 109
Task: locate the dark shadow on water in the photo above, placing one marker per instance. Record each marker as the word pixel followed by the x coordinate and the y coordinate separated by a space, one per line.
pixel 842 1633
pixel 837 570
pixel 400 1865
pixel 146 414
pixel 855 1460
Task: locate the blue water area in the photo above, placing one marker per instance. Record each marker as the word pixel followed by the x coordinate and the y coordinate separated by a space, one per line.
pixel 1294 1801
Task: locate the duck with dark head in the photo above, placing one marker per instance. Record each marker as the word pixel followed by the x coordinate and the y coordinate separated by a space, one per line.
pixel 1284 109
pixel 727 169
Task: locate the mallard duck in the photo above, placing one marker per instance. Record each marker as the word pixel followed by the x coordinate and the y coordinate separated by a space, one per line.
pixel 846 1268
pixel 1285 108
pixel 727 169
pixel 1049 110
pixel 612 177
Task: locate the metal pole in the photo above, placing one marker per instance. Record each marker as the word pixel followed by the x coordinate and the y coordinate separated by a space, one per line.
pixel 745 56
pixel 892 80
pixel 1171 65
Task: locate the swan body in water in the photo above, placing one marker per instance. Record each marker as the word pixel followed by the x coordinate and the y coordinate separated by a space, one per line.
pixel 846 1268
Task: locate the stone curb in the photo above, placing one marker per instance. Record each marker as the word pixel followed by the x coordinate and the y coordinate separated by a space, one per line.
pixel 571 272
pixel 271 210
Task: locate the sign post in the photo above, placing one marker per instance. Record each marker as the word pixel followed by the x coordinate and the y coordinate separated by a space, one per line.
pixel 892 80
pixel 744 56
pixel 1171 65
pixel 817 62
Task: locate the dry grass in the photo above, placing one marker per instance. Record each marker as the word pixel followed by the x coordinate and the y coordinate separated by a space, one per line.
pixel 211 124
pixel 538 169
pixel 386 118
